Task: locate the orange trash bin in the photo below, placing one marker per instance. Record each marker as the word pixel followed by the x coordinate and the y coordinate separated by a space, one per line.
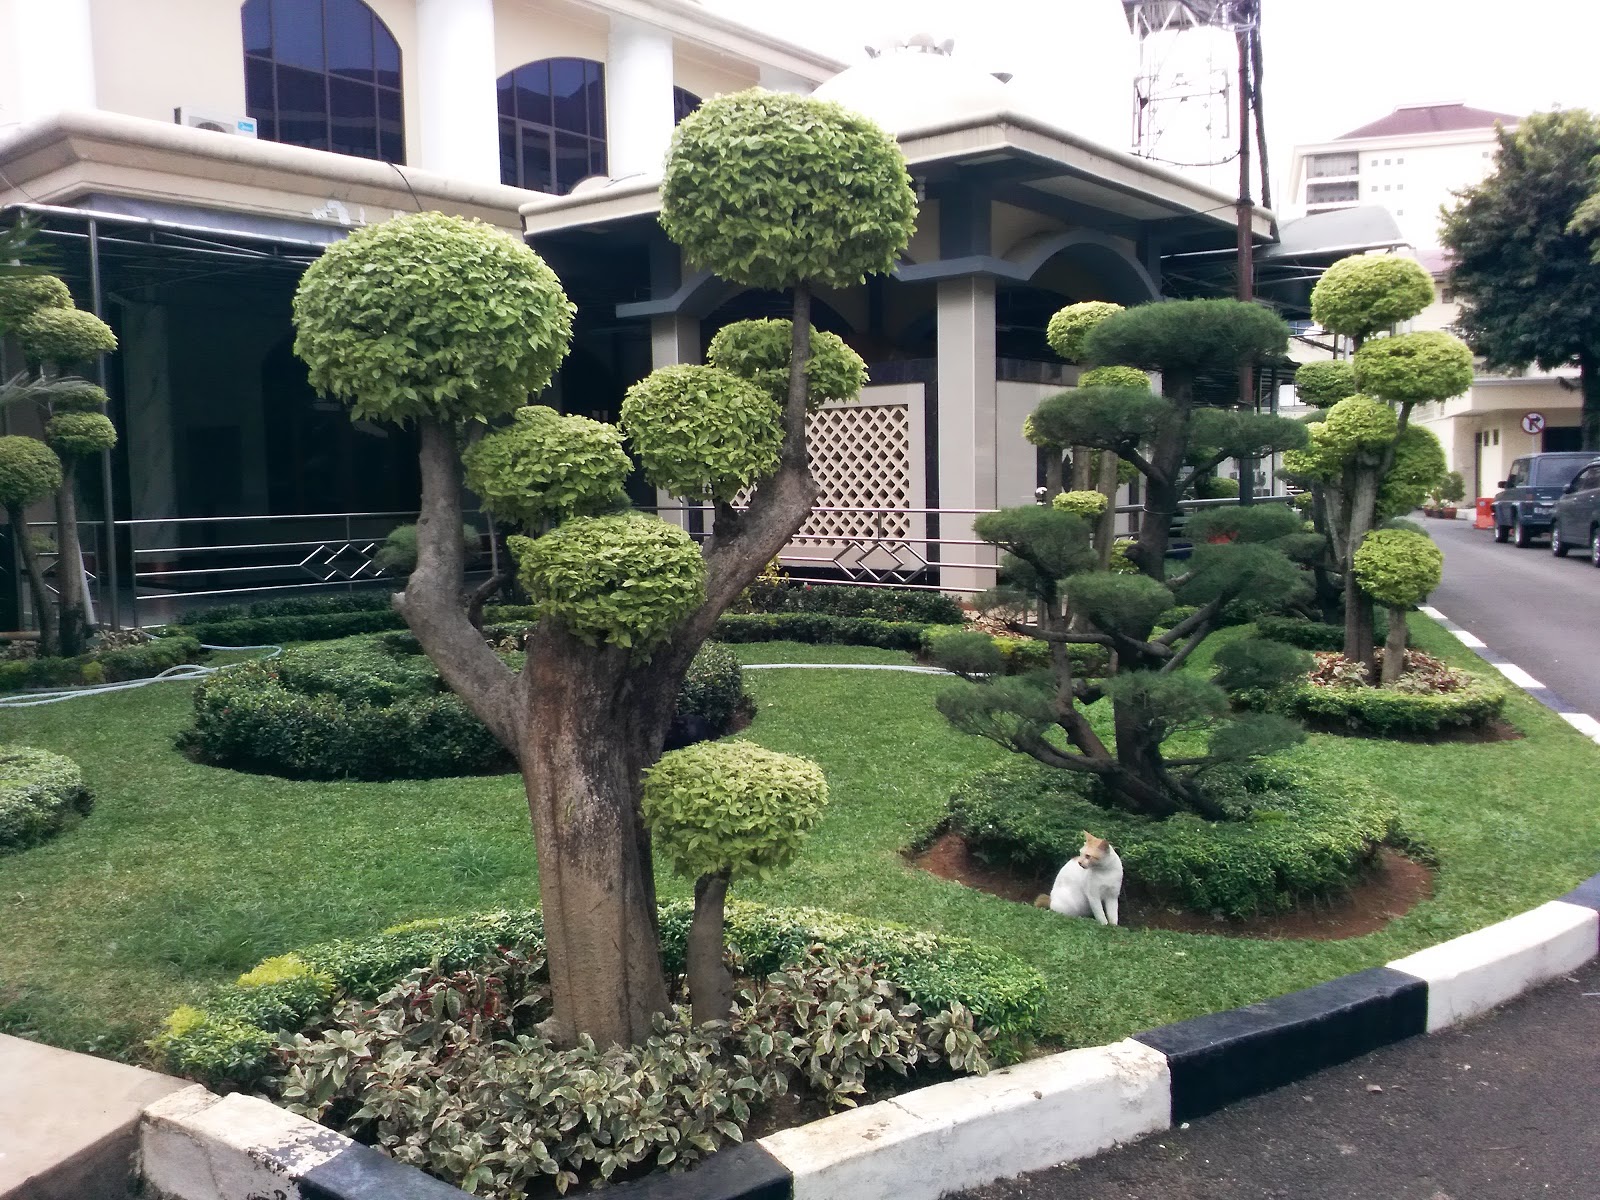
pixel 1485 517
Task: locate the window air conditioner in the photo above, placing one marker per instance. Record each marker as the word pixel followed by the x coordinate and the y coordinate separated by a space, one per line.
pixel 196 119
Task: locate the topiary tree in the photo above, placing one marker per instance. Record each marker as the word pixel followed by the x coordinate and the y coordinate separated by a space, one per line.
pixel 30 471
pixel 1398 568
pixel 720 811
pixel 1365 460
pixel 449 322
pixel 1324 384
pixel 74 436
pixel 759 351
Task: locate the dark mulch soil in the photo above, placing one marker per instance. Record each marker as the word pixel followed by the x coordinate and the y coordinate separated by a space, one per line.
pixel 1395 885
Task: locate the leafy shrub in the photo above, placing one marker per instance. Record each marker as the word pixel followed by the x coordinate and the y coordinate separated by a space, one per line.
pixel 1085 504
pixel 39 792
pixel 548 466
pixel 1368 292
pixel 1018 655
pixel 1324 384
pixel 379 711
pixel 235 627
pixel 1397 567
pixel 1429 698
pixel 100 665
pixel 702 432
pixel 64 336
pixel 759 351
pixel 1311 635
pixel 221 1046
pixel 1068 328
pixel 29 471
pixel 1298 834
pixel 846 600
pixel 819 629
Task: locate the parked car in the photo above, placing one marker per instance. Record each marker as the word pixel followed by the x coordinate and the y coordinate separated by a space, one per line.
pixel 1528 494
pixel 1576 519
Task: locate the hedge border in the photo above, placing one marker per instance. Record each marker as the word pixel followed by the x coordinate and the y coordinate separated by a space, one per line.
pixel 39 793
pixel 228 1042
pixel 1381 712
pixel 114 666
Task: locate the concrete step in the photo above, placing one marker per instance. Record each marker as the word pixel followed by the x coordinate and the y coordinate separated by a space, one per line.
pixel 69 1122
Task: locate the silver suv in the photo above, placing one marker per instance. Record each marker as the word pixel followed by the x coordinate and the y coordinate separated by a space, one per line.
pixel 1576 519
pixel 1528 494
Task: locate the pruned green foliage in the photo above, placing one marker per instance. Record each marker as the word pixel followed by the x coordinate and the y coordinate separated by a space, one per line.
pixel 545 467
pixel 967 652
pixel 1233 570
pixel 625 580
pixel 1254 735
pixel 431 316
pixel 1102 417
pixel 64 336
pixel 1171 703
pixel 1114 377
pixel 80 433
pixel 1012 710
pixel 1124 604
pixel 760 352
pixel 23 295
pixel 1397 567
pixel 29 471
pixel 1414 368
pixel 1355 424
pixel 731 806
pixel 39 792
pixel 1087 505
pixel 1324 384
pixel 1257 664
pixel 398 554
pixel 74 395
pixel 702 432
pixel 1419 465
pixel 769 189
pixel 1186 337
pixel 1054 543
pixel 1069 328
pixel 1360 295
pixel 1242 523
pixel 1228 433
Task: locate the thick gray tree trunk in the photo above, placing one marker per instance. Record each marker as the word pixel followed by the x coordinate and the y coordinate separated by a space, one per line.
pixel 710 984
pixel 1394 648
pixel 74 629
pixel 44 609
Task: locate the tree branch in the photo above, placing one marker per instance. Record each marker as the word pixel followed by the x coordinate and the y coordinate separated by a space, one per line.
pixel 1056 637
pixel 432 603
pixel 1200 634
pixel 1194 620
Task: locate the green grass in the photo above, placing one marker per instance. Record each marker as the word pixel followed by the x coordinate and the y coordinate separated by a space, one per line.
pixel 186 875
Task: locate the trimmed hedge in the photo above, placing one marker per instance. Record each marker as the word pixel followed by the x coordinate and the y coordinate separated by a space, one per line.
pixel 820 629
pixel 380 711
pixel 1020 655
pixel 39 793
pixel 1384 711
pixel 849 600
pixel 228 1043
pixel 1313 635
pixel 1300 834
pixel 100 666
pixel 311 619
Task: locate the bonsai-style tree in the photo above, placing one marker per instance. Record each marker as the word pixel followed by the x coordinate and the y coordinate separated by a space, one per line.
pixel 1171 439
pixel 54 337
pixel 30 471
pixel 446 322
pixel 1053 588
pixel 1521 245
pixel 1398 568
pixel 1367 462
pixel 725 810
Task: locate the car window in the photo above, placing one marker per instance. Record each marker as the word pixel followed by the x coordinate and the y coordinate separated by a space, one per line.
pixel 1587 478
pixel 1558 472
pixel 1518 475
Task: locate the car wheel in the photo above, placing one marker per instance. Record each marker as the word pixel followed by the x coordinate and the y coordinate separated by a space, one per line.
pixel 1524 537
pixel 1502 533
pixel 1594 547
pixel 1558 547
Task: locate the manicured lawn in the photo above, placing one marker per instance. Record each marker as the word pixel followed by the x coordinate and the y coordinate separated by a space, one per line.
pixel 186 875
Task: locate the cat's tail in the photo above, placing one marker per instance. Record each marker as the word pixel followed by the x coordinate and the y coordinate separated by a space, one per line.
pixel 1041 901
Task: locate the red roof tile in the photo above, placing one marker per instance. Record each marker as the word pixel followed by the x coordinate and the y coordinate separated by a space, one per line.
pixel 1429 118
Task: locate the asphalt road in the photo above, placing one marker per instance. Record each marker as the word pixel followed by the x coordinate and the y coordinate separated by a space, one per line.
pixel 1539 611
pixel 1502 1109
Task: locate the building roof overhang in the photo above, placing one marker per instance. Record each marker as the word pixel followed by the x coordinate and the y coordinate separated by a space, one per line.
pixel 690 22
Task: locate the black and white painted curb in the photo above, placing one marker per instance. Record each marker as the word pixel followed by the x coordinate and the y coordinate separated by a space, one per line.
pixel 1581 721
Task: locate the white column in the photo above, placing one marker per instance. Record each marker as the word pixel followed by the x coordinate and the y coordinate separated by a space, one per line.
pixel 460 133
pixel 638 98
pixel 674 339
pixel 54 56
pixel 967 428
pixel 775 80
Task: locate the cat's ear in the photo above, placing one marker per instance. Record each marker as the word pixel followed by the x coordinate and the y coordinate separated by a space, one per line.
pixel 1089 837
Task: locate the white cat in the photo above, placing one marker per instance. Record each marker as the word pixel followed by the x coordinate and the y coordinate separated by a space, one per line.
pixel 1089 885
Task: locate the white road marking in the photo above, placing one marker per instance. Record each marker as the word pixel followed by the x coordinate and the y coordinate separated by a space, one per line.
pixel 1518 676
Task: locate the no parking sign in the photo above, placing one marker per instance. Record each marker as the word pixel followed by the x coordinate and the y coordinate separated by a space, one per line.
pixel 1533 422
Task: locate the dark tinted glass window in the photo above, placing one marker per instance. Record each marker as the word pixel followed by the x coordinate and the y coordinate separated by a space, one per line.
pixel 324 74
pixel 1558 472
pixel 552 124
pixel 684 102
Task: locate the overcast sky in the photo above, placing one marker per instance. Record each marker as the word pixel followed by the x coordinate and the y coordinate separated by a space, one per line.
pixel 1330 66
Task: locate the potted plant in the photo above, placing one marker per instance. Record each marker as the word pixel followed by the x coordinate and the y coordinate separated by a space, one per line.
pixel 1442 499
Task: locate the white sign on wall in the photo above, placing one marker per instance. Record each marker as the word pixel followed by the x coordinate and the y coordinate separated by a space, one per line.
pixel 1533 422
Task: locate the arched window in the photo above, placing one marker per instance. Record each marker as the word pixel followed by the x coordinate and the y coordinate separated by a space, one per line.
pixel 324 74
pixel 684 102
pixel 553 124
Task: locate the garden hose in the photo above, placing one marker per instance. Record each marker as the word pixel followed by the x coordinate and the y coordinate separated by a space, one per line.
pixel 182 673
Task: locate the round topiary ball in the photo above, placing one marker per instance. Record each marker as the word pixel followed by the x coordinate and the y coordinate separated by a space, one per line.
pixel 1324 384
pixel 702 432
pixel 1117 377
pixel 80 433
pixel 1355 423
pixel 769 189
pixel 431 316
pixel 64 336
pixel 731 806
pixel 1368 292
pixel 1088 505
pixel 1068 328
pixel 547 466
pixel 1414 368
pixel 1419 464
pixel 29 471
pixel 77 395
pixel 23 295
pixel 1397 567
pixel 625 580
pixel 759 351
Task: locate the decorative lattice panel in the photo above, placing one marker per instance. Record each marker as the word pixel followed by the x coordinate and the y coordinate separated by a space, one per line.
pixel 860 458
